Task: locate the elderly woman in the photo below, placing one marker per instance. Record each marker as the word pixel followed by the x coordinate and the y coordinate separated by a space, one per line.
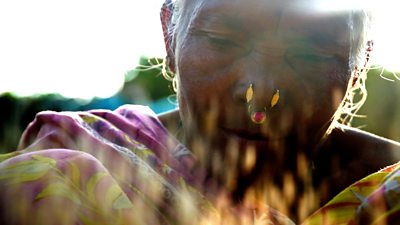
pixel 264 88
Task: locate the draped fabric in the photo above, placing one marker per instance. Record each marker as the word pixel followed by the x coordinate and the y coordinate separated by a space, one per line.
pixel 123 167
pixel 105 166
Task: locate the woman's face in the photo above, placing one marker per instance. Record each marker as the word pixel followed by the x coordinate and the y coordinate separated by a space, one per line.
pixel 226 45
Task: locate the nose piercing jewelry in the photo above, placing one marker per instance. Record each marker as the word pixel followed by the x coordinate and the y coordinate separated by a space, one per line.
pixel 275 99
pixel 259 117
pixel 249 93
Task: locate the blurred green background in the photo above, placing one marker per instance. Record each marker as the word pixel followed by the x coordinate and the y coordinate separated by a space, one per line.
pixel 382 108
pixel 145 85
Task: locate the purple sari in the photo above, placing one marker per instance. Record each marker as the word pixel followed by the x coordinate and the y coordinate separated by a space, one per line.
pixel 123 167
pixel 102 165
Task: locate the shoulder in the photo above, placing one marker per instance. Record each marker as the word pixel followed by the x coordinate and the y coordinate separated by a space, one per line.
pixel 349 154
pixel 361 146
pixel 169 116
pixel 171 120
pixel 357 138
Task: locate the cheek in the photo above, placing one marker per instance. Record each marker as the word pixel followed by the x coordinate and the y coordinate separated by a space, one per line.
pixel 315 98
pixel 339 77
pixel 339 73
pixel 334 86
pixel 202 76
pixel 332 79
pixel 194 94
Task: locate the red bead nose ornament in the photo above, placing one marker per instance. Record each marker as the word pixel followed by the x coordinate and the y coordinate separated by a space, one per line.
pixel 258 117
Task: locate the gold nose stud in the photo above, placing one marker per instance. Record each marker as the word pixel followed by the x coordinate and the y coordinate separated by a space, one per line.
pixel 249 93
pixel 275 99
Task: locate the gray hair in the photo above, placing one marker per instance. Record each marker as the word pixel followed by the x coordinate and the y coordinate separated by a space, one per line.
pixel 360 24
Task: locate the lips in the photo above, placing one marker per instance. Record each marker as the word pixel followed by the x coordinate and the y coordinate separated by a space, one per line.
pixel 244 134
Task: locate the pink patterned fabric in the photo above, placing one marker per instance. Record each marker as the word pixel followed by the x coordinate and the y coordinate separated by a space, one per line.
pixel 122 167
pixel 129 149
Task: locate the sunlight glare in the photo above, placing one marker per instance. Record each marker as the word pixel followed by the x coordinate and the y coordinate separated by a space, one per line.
pixel 77 48
pixel 83 48
pixel 385 30
pixel 386 36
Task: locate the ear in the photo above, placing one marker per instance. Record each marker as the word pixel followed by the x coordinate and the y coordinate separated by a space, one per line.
pixel 359 71
pixel 166 16
pixel 170 62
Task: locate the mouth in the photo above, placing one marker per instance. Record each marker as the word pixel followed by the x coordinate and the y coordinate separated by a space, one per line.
pixel 244 134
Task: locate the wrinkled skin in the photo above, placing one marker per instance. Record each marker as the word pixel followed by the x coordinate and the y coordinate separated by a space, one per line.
pixel 223 46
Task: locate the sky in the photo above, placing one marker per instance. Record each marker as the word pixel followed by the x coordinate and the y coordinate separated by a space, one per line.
pixel 78 48
pixel 83 48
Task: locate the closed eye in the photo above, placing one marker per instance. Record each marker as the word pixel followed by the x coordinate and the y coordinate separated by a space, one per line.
pixel 315 58
pixel 310 63
pixel 221 40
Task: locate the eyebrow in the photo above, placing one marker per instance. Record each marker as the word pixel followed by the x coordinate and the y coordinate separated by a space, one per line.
pixel 212 19
pixel 323 38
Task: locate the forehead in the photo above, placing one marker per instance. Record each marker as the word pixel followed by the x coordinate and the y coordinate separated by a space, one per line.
pixel 289 16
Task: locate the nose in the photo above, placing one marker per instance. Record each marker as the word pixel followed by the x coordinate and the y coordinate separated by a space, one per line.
pixel 259 76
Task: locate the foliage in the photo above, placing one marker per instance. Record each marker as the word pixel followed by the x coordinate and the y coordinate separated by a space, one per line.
pixel 144 85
